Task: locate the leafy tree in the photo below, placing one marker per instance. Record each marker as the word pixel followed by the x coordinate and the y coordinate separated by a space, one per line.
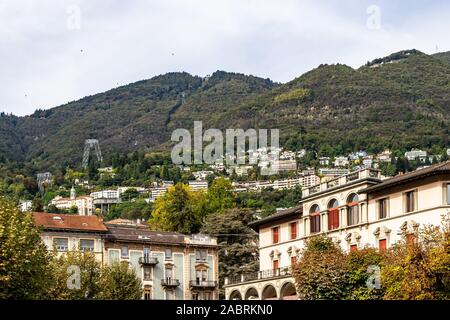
pixel 220 195
pixel 322 271
pixel 73 210
pixel 63 268
pixel 416 270
pixel 119 282
pixel 238 252
pixel 129 194
pixel 24 259
pixel 358 263
pixel 178 210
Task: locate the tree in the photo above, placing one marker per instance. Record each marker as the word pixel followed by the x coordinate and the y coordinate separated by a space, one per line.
pixel 119 282
pixel 419 269
pixel 129 194
pixel 358 264
pixel 178 210
pixel 322 271
pixel 238 252
pixel 73 210
pixel 64 266
pixel 220 195
pixel 24 259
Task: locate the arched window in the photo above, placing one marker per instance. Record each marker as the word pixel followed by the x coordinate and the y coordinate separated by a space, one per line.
pixel 314 213
pixel 353 209
pixel 333 214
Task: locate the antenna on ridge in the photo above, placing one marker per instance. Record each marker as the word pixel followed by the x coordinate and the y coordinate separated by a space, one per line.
pixel 88 145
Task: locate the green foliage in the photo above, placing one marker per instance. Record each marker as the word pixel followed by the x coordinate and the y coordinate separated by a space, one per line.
pixel 24 260
pixel 322 272
pixel 138 209
pixel 296 95
pixel 238 252
pixel 419 270
pixel 119 282
pixel 179 209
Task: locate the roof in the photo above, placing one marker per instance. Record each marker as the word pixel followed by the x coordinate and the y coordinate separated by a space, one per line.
pixel 68 222
pixel 288 213
pixel 130 233
pixel 440 168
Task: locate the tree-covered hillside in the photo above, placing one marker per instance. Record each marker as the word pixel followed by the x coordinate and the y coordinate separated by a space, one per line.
pixel 401 101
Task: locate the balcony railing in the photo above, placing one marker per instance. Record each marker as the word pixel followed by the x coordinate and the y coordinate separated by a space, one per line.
pixel 342 180
pixel 170 283
pixel 202 284
pixel 264 274
pixel 148 261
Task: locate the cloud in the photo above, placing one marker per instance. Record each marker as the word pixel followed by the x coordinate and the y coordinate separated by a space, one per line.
pixel 47 61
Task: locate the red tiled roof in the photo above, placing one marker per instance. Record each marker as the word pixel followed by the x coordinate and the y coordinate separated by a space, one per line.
pixel 68 222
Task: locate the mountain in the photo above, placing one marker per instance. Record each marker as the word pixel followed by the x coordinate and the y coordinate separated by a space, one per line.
pixel 400 101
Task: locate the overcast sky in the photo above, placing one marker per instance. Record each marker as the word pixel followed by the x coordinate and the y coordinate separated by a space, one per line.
pixel 53 52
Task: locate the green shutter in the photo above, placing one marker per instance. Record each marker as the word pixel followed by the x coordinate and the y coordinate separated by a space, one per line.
pixel 158 274
pixel 179 274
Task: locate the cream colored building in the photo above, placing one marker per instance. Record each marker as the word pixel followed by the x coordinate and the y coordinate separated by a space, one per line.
pixel 356 210
pixel 85 204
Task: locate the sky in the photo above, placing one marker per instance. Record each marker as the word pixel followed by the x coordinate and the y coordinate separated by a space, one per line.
pixel 56 51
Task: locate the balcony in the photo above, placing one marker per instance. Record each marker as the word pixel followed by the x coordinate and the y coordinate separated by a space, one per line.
pixel 202 284
pixel 342 180
pixel 170 283
pixel 148 261
pixel 260 275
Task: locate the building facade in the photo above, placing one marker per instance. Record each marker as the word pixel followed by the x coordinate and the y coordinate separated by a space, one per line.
pixel 356 210
pixel 170 265
pixel 67 232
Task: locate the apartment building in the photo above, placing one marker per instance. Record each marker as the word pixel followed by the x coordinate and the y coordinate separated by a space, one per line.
pixel 356 210
pixel 65 232
pixel 171 266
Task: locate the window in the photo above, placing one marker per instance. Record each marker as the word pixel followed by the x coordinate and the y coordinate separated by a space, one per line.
pixel 195 296
pixel 147 273
pixel 146 253
pixel 293 228
pixel 147 293
pixel 275 264
pixel 62 244
pixel 354 247
pixel 168 274
pixel 333 215
pixel 201 276
pixel 314 219
pixel 168 254
pixel 382 208
pixel 382 245
pixel 293 260
pixel 200 255
pixel 86 245
pixel 124 252
pixel 352 210
pixel 448 193
pixel 410 199
pixel 113 256
pixel 275 234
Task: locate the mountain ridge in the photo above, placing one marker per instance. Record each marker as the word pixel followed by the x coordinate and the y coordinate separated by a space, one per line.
pixel 329 107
